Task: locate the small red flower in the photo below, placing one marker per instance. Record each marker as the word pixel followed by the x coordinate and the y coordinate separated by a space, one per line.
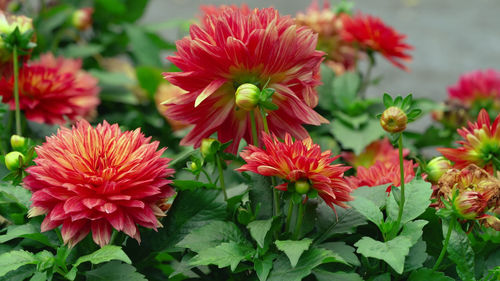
pixel 477 87
pixel 98 179
pixel 52 89
pixel 481 144
pixel 299 161
pixel 379 150
pixel 233 46
pixel 383 173
pixel 372 34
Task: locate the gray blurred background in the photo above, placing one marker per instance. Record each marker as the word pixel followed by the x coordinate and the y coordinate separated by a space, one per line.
pixel 450 37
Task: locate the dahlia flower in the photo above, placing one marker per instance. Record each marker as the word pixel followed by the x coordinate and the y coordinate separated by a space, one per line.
pixel 299 161
pixel 340 55
pixel 481 144
pixel 379 150
pixel 233 46
pixel 478 192
pixel 52 89
pixel 372 34
pixel 383 173
pixel 165 92
pixel 477 88
pixel 96 179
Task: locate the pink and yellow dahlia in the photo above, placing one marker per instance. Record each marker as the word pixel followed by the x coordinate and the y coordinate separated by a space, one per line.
pixel 96 179
pixel 233 46
pixel 372 34
pixel 481 144
pixel 340 55
pixel 383 173
pixel 299 162
pixel 379 150
pixel 52 89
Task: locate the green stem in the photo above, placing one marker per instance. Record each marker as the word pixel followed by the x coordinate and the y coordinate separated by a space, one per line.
pixel 300 218
pixel 445 244
pixel 289 216
pixel 16 91
pixel 221 176
pixel 402 172
pixel 206 175
pixel 264 120
pixel 366 78
pixel 255 137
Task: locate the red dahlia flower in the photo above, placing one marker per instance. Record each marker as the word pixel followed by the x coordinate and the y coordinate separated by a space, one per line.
pixel 481 144
pixel 383 173
pixel 51 89
pixel 234 46
pixel 97 179
pixel 379 150
pixel 372 34
pixel 478 86
pixel 299 161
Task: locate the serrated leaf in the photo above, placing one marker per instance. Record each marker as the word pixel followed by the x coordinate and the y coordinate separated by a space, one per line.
pixel 376 194
pixel 104 254
pixel 329 224
pixel 460 251
pixel 323 275
pixel 413 230
pixel 393 252
pixel 211 235
pixel 345 88
pixel 343 250
pixel 427 274
pixel 261 196
pixel 29 231
pixel 259 229
pixel 312 258
pixel 115 271
pixel 358 139
pixel 368 209
pixel 416 257
pixel 225 254
pixel 144 49
pixel 417 194
pixel 293 249
pixel 39 276
pixel 15 259
pixel 263 266
pixel 191 185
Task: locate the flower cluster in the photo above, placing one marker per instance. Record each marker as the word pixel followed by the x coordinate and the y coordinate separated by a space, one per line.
pixel 96 179
pixel 300 162
pixel 233 46
pixel 53 89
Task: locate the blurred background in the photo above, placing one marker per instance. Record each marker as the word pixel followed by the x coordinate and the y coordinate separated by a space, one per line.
pixel 450 37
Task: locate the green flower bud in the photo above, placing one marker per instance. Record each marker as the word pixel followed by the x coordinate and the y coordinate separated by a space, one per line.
pixel 393 120
pixel 193 166
pixel 247 96
pixel 470 205
pixel 82 18
pixel 302 187
pixel 17 142
pixel 436 168
pixel 208 148
pixel 12 160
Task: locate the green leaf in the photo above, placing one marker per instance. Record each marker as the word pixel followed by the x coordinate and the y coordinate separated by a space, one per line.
pixel 345 88
pixel 387 100
pixel 329 224
pixel 293 249
pixel 225 254
pixel 104 254
pixel 115 271
pixel 81 51
pixel 14 259
pixel 413 230
pixel 111 6
pixel 393 252
pixel 259 229
pixel 343 250
pixel 312 258
pixel 191 185
pixel 376 194
pixel 357 140
pixel 263 266
pixel 144 48
pixel 323 275
pixel 261 196
pixel 111 78
pixel 39 276
pixel 368 209
pixel 211 235
pixel 460 251
pixel 30 231
pixel 416 257
pixel 417 194
pixel 149 79
pixel 427 274
pixel 20 274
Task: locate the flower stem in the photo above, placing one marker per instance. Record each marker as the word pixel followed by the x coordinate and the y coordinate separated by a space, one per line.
pixel 255 138
pixel 221 176
pixel 289 216
pixel 366 77
pixel 264 120
pixel 402 172
pixel 300 218
pixel 16 91
pixel 445 244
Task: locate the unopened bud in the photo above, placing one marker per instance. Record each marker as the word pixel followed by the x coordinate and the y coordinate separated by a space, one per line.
pixel 82 18
pixel 436 168
pixel 12 160
pixel 302 187
pixel 193 166
pixel 247 96
pixel 208 148
pixel 393 120
pixel 17 142
pixel 471 204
